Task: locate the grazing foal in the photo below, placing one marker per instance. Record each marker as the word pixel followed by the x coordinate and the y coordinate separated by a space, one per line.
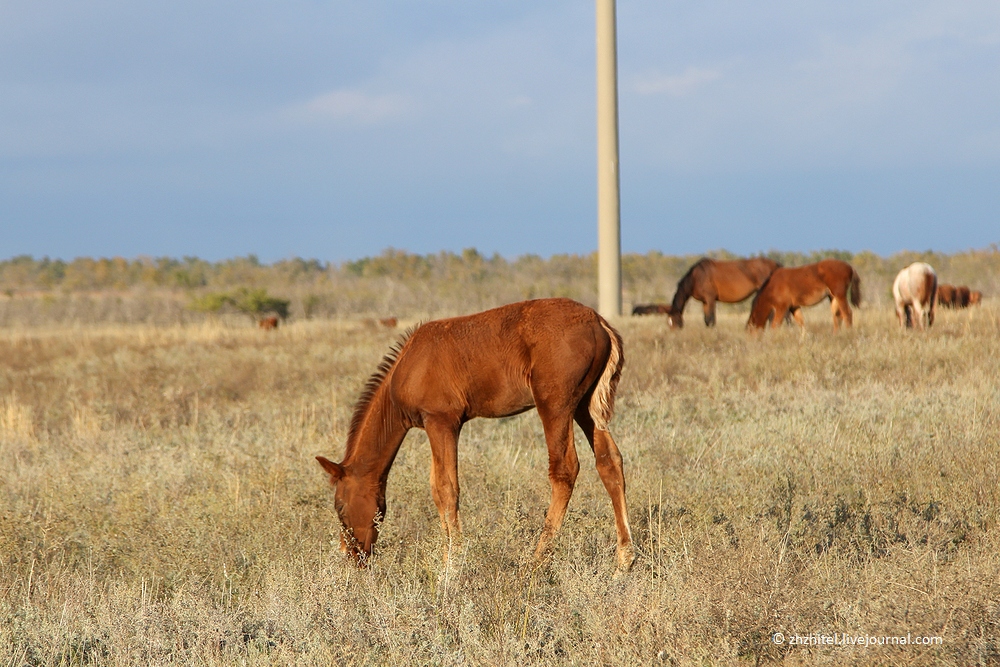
pixel 915 291
pixel 555 355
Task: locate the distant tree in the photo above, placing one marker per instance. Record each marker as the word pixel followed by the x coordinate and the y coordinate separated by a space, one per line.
pixel 254 302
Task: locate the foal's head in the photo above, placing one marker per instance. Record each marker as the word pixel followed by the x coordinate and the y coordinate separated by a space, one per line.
pixel 360 504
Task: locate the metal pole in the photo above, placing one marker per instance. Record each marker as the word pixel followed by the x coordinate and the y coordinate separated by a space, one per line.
pixel 609 260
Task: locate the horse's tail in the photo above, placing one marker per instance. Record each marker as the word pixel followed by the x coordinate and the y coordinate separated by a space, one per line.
pixel 855 288
pixel 602 402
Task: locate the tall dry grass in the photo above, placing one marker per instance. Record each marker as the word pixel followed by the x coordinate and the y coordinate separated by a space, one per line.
pixel 160 503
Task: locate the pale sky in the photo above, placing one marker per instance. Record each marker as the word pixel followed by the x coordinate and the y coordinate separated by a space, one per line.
pixel 337 129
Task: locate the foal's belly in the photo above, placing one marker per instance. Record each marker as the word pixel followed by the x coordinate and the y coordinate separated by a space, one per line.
pixel 504 402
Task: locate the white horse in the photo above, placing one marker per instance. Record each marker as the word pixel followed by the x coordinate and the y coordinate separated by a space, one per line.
pixel 915 291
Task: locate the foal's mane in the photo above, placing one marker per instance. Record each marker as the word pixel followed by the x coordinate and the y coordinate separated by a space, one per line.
pixel 374 383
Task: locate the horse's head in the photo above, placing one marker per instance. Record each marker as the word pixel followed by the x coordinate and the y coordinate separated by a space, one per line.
pixel 360 504
pixel 675 318
pixel 760 318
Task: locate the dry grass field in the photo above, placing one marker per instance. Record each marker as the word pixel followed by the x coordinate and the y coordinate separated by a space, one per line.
pixel 159 503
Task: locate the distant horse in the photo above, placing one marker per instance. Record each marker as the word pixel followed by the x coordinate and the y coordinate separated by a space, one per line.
pixel 711 280
pixel 915 291
pixel 387 322
pixel 268 323
pixel 651 309
pixel 555 355
pixel 946 295
pixel 789 290
pixel 962 296
pixel 975 298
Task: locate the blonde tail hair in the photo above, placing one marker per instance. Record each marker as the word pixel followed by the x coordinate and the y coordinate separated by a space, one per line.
pixel 602 403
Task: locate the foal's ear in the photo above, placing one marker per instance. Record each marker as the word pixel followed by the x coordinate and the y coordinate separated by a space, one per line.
pixel 335 470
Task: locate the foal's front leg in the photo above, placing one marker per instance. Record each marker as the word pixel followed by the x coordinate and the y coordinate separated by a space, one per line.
pixel 780 313
pixel 443 434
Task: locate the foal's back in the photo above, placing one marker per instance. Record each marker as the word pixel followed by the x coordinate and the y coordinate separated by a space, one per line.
pixel 495 363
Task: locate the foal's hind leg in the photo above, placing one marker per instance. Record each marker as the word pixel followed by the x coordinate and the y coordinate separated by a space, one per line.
pixel 564 466
pixel 609 466
pixel 443 434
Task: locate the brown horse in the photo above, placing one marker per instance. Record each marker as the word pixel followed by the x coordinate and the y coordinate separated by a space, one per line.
pixel 975 298
pixel 946 295
pixel 788 290
pixel 555 355
pixel 711 280
pixel 268 323
pixel 915 290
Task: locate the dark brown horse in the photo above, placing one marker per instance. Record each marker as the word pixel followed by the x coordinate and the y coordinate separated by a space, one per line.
pixel 555 355
pixel 651 309
pixel 788 290
pixel 711 280
pixel 962 296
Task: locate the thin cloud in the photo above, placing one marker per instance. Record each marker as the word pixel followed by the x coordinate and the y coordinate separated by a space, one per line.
pixel 353 106
pixel 677 85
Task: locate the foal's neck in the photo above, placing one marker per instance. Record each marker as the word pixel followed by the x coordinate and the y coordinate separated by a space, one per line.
pixel 376 436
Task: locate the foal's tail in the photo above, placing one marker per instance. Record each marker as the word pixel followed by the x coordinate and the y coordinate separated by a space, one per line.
pixel 855 288
pixel 602 403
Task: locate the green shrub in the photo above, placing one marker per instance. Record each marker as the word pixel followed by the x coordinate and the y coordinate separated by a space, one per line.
pixel 253 302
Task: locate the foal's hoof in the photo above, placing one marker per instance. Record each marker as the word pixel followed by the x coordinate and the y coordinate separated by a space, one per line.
pixel 626 556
